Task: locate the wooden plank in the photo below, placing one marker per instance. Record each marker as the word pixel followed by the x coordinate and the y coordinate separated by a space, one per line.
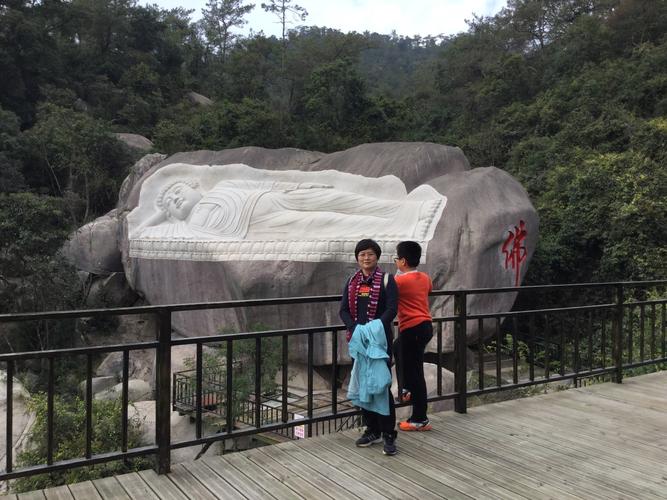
pixel 32 495
pixel 489 464
pixel 58 493
pixel 593 451
pixel 214 483
pixel 641 383
pixel 368 489
pixel 319 481
pixel 110 489
pixel 636 399
pixel 517 460
pixel 374 477
pixel 260 476
pixel 612 414
pixel 585 410
pixel 84 491
pixel 605 416
pixel 135 487
pixel 476 469
pixel 597 439
pixel 416 478
pixel 284 475
pixel 596 471
pixel 238 480
pixel 188 484
pixel 162 486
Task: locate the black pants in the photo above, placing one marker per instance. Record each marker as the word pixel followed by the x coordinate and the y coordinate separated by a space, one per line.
pixel 377 423
pixel 409 352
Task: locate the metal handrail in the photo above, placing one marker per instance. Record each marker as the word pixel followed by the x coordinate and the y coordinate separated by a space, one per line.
pixel 610 326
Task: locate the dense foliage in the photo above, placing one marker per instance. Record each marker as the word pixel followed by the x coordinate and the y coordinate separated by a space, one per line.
pixel 69 441
pixel 570 96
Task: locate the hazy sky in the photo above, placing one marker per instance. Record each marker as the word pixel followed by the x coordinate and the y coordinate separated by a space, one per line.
pixel 406 17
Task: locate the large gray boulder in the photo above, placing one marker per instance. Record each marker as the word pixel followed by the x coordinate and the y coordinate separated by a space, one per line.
pixel 94 248
pixel 470 247
pixel 135 141
pixel 198 99
pixel 414 163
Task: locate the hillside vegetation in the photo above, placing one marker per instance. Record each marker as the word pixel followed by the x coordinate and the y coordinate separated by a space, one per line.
pixel 569 96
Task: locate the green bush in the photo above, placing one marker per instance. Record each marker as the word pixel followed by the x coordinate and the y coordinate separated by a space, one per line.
pixel 69 441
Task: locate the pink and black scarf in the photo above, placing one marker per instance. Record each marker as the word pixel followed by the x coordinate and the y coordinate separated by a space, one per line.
pixel 353 290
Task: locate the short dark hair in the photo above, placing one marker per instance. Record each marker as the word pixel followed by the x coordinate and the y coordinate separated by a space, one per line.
pixel 365 245
pixel 411 251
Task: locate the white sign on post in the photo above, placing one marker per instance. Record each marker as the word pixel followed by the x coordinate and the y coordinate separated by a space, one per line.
pixel 300 430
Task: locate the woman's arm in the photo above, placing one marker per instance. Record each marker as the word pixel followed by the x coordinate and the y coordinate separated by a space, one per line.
pixel 344 311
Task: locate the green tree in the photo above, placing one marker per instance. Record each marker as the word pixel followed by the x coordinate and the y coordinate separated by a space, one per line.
pixel 69 441
pixel 605 215
pixel 338 112
pixel 33 277
pixel 220 17
pixel 287 13
pixel 11 174
pixel 78 158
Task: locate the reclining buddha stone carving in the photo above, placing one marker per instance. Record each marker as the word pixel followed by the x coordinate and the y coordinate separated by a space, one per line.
pixel 236 212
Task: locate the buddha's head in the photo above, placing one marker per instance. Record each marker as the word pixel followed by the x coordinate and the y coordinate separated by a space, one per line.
pixel 179 198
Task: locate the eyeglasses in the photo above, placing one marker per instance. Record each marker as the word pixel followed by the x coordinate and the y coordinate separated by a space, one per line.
pixel 396 257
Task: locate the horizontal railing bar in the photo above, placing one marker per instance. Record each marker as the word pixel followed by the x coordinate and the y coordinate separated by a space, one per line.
pixel 474 291
pixel 253 335
pixel 439 319
pixel 267 428
pixel 79 462
pixel 656 302
pixel 647 362
pixel 194 306
pixel 540 311
pixel 541 381
pixel 78 351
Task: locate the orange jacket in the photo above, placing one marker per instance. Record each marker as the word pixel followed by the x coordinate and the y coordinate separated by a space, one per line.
pixel 413 290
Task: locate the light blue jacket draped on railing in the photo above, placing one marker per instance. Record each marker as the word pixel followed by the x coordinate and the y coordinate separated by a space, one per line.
pixel 370 378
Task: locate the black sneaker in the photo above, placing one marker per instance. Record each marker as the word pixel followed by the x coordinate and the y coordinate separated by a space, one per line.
pixel 389 447
pixel 368 438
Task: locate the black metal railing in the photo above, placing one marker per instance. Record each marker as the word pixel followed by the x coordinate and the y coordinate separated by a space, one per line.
pixel 624 331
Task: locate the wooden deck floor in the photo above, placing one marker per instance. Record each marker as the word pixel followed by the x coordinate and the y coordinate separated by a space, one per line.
pixel 602 441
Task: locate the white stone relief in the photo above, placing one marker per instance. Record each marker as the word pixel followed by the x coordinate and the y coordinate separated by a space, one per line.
pixel 236 212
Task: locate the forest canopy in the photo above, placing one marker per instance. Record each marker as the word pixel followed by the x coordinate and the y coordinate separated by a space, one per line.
pixel 569 96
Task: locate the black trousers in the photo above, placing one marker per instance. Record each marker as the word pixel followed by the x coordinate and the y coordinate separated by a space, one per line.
pixel 409 352
pixel 378 423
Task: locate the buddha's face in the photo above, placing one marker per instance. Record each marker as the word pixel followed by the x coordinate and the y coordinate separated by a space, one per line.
pixel 180 199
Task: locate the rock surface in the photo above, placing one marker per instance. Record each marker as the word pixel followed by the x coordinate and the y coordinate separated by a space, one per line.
pixel 414 163
pixel 95 247
pixel 135 141
pixel 199 99
pixel 22 419
pixel 182 429
pixel 99 384
pixel 137 390
pixel 485 207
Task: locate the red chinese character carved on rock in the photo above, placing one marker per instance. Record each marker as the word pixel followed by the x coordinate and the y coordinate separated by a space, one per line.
pixel 515 251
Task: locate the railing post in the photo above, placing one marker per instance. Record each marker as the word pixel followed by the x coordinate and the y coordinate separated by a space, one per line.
pixel 163 393
pixel 460 351
pixel 618 335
